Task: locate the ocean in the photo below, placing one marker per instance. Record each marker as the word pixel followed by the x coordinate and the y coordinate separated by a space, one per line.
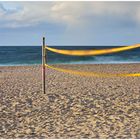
pixel 31 55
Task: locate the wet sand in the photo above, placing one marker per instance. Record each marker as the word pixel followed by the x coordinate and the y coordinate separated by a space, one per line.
pixel 73 106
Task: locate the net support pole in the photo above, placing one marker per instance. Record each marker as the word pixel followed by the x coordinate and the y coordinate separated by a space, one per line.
pixel 43 66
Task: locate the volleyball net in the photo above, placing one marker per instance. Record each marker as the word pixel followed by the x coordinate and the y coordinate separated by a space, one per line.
pixel 92 52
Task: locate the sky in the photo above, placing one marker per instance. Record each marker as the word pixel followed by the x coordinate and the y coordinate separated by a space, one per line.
pixel 70 23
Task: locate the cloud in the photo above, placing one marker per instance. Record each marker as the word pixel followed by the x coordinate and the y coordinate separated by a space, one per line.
pixel 1 10
pixel 71 14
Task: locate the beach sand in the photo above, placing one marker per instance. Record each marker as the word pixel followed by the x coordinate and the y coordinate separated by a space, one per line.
pixel 73 106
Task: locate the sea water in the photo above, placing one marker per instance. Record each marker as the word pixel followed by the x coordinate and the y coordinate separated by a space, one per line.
pixel 30 55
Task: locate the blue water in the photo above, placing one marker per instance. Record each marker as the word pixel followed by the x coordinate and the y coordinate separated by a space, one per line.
pixel 28 55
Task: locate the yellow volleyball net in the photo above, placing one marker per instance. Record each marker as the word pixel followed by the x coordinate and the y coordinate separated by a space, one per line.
pixel 86 53
pixel 89 53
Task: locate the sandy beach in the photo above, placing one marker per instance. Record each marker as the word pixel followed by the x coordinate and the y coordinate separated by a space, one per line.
pixel 73 106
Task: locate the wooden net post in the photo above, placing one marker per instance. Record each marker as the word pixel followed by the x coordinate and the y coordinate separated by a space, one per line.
pixel 43 66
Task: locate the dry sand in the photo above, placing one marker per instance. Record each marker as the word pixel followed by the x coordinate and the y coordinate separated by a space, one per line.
pixel 73 106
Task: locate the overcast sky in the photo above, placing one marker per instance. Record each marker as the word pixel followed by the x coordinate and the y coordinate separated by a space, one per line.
pixel 70 23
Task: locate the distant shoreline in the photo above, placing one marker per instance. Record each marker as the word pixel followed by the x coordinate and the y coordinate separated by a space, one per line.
pixel 18 65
